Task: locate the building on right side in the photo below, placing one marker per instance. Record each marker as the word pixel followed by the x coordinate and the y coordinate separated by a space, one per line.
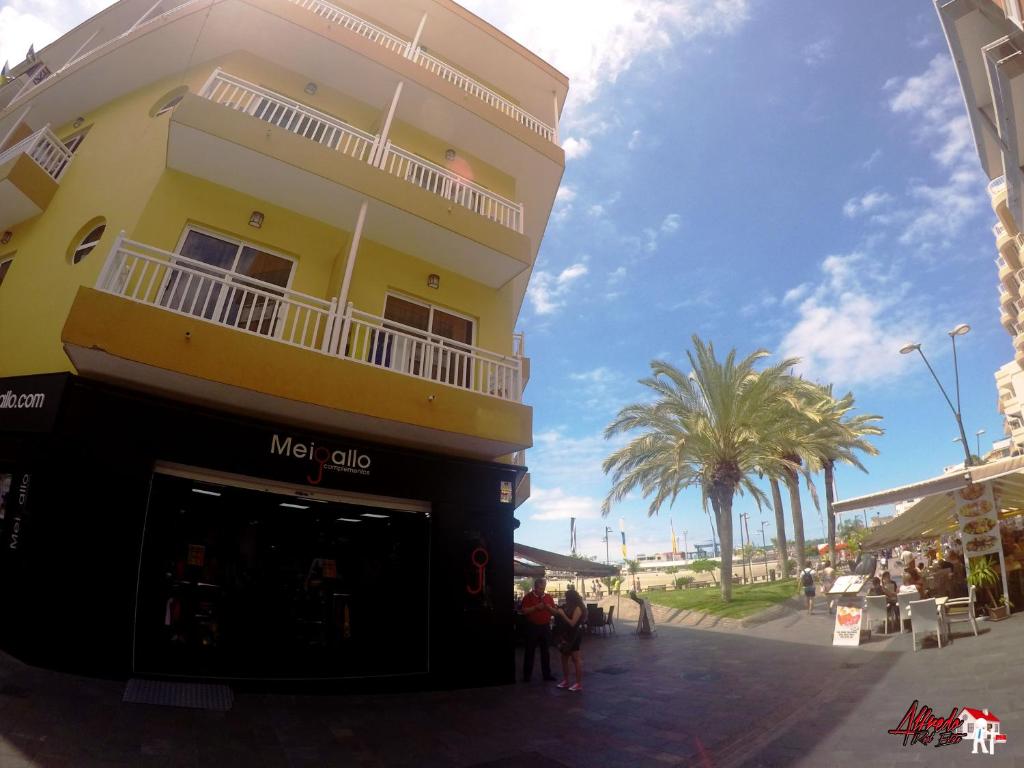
pixel 986 41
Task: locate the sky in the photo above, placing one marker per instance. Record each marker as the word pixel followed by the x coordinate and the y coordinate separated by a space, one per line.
pixel 798 177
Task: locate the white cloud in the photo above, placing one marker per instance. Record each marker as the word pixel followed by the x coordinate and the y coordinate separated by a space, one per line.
pixel 857 206
pixel 548 292
pixel 670 224
pixel 39 23
pixel 797 293
pixel 596 210
pixel 850 326
pixel 563 203
pixel 595 41
pixel 634 140
pixel 565 194
pixel 817 52
pixel 556 504
pixel 616 275
pixel 872 159
pixel 576 148
pixel 934 214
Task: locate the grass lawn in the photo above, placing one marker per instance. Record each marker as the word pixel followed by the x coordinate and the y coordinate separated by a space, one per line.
pixel 747 599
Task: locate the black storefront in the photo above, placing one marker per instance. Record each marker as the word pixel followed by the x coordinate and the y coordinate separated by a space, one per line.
pixel 141 536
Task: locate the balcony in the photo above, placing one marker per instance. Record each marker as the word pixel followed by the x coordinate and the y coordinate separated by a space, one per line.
pixel 186 328
pixel 996 186
pixel 401 47
pixel 262 143
pixel 30 173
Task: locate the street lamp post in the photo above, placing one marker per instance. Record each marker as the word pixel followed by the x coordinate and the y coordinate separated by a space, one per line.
pixel 977 437
pixel 906 349
pixel 607 557
pixel 764 548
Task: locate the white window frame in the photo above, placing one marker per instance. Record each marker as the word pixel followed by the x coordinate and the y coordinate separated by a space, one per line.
pixel 240 244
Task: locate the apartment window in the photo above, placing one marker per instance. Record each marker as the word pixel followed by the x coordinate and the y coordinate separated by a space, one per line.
pixel 5 265
pixel 453 332
pixel 168 101
pixel 229 281
pixel 75 141
pixel 1013 11
pixel 83 244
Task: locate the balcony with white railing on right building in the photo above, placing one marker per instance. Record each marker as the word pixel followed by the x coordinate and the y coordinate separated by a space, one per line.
pixel 30 173
pixel 996 186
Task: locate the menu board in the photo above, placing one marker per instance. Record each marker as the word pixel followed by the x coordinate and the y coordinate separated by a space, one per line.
pixel 979 520
pixel 847 585
pixel 847 629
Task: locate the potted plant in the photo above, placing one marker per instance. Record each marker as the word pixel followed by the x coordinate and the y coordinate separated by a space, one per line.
pixel 1001 611
pixel 982 575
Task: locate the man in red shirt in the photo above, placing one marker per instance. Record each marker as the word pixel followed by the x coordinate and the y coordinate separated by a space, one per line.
pixel 538 608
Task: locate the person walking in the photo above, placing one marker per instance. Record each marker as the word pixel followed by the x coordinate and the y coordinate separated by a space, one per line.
pixel 806 582
pixel 538 608
pixel 570 635
pixel 828 578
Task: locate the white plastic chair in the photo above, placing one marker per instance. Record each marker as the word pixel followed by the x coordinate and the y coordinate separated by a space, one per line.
pixel 962 609
pixel 903 601
pixel 876 611
pixel 925 618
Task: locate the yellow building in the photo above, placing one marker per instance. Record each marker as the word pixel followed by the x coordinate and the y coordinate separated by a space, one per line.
pixel 260 267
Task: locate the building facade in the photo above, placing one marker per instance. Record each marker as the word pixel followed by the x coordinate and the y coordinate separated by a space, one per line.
pixel 986 41
pixel 260 268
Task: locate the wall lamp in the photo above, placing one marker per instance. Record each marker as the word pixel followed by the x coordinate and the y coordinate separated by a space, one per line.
pixel 256 219
pixel 433 281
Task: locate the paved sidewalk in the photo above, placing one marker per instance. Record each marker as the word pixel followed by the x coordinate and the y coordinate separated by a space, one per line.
pixel 777 694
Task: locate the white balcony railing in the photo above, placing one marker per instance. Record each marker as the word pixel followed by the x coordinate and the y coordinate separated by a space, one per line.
pixel 519 344
pixel 996 185
pixel 353 23
pixel 466 83
pixel 238 94
pixel 998 229
pixel 243 96
pixel 443 183
pixel 432 64
pixel 175 283
pixel 46 149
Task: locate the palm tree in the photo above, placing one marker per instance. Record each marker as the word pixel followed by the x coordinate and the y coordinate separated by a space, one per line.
pixel 633 568
pixel 780 526
pixel 845 434
pixel 716 428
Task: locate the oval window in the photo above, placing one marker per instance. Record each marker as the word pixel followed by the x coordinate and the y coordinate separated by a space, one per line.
pixel 86 240
pixel 168 101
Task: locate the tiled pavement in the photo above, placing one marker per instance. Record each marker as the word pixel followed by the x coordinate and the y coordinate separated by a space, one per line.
pixel 776 694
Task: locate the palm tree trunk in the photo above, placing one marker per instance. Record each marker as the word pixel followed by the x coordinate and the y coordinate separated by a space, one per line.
pixel 829 501
pixel 721 502
pixel 780 527
pixel 793 484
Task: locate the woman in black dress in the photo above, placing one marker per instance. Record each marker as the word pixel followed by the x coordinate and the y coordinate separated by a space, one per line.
pixel 571 635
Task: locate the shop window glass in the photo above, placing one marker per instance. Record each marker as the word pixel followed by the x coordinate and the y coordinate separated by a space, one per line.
pixel 241 582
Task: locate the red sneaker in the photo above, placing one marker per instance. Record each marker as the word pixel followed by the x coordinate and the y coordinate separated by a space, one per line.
pixel 576 687
pixel 563 684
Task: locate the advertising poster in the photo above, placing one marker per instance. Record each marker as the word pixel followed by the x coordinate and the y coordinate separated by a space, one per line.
pixel 979 520
pixel 847 629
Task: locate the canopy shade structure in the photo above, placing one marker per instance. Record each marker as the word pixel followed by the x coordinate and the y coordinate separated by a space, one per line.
pixel 557 562
pixel 523 570
pixel 935 513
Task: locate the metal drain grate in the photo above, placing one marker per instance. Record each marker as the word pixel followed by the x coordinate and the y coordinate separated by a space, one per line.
pixel 190 695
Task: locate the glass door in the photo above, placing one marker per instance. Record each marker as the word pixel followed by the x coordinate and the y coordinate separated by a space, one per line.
pixel 444 353
pixel 225 296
